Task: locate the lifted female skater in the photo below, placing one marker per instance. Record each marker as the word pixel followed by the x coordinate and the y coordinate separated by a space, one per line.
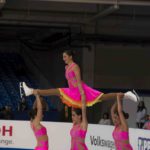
pixel 77 88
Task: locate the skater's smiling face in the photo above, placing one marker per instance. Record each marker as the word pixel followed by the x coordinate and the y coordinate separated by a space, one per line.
pixel 76 116
pixel 67 57
pixel 116 118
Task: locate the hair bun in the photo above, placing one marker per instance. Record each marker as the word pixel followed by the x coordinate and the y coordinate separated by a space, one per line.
pixel 126 115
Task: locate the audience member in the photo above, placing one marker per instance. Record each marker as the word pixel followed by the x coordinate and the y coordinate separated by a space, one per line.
pixel 147 123
pixel 105 119
pixel 141 114
pixel 8 115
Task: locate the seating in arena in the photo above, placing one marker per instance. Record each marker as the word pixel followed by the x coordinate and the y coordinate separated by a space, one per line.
pixel 12 71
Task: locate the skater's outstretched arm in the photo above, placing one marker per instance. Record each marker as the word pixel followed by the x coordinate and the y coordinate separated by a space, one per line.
pixel 121 114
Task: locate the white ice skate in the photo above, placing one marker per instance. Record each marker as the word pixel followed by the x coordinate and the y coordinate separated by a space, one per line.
pixel 130 96
pixel 28 91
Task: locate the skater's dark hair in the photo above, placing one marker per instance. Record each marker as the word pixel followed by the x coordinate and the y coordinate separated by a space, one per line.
pixel 126 115
pixel 78 111
pixel 106 114
pixel 33 113
pixel 69 53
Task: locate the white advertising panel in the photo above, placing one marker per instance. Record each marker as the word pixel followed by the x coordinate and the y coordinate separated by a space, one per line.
pixel 18 134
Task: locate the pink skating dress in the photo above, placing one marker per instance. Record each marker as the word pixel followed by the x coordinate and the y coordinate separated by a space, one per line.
pixel 38 133
pixel 78 138
pixel 71 95
pixel 121 139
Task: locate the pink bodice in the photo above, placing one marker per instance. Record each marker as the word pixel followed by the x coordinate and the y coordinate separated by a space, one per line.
pixel 40 132
pixel 70 76
pixel 77 132
pixel 78 138
pixel 120 135
pixel 121 139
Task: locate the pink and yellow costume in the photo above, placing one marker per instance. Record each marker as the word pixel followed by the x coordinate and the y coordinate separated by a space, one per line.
pixel 121 139
pixel 78 138
pixel 43 145
pixel 71 96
